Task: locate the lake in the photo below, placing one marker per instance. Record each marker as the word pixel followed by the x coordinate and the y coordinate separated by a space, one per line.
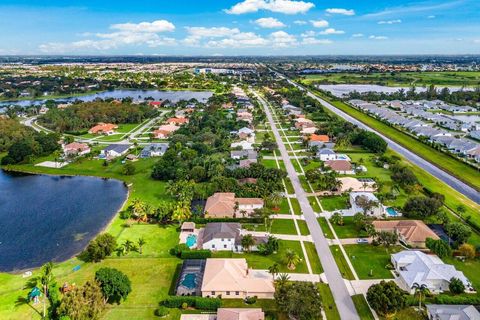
pixel 52 218
pixel 174 96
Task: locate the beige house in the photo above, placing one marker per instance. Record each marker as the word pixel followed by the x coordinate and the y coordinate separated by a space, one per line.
pixel 232 279
pixel 240 314
pixel 412 232
pixel 225 205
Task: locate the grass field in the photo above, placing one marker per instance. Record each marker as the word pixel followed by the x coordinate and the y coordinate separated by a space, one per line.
pixel 400 78
pixel 347 230
pixel 362 307
pixel 366 258
pixel 461 170
pixel 334 203
pixel 325 228
pixel 341 263
pixel 328 302
pixel 313 257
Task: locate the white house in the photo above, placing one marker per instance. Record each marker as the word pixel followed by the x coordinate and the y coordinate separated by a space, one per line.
pixel 356 200
pixel 226 236
pixel 452 312
pixel 413 266
pixel 326 154
pixel 114 151
pixel 245 145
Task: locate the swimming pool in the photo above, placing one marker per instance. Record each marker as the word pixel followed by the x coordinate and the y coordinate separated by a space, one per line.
pixel 189 281
pixel 191 240
pixel 391 212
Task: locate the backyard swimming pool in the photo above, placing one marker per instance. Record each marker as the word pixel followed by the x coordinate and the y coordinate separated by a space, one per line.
pixel 392 212
pixel 189 281
pixel 191 240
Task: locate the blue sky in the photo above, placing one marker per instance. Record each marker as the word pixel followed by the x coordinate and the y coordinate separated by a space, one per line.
pixel 238 27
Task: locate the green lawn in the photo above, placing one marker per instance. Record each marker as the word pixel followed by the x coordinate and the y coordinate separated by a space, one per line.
pixel 257 261
pixel 362 307
pixel 302 225
pixel 334 203
pixel 269 163
pixel 289 186
pixel 284 208
pixel 341 263
pixel 457 168
pixel 296 206
pixel 469 268
pixel 348 229
pixel 325 228
pixel 314 204
pixel 313 257
pixel 286 226
pixel 328 302
pixel 366 258
pixel 312 165
pixel 126 127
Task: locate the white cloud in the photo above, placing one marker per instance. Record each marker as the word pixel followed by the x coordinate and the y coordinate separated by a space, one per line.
pixel 431 17
pixel 396 21
pixel 196 34
pixel 331 31
pixel 300 22
pixel 357 35
pixel 319 23
pixel 308 33
pixel 239 40
pixel 282 39
pixel 373 37
pixel 150 27
pixel 269 23
pixel 314 41
pixel 125 34
pixel 345 12
pixel 415 8
pixel 280 6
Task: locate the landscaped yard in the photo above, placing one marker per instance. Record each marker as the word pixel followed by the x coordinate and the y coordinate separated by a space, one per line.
pixel 362 307
pixel 348 229
pixel 325 228
pixel 334 203
pixel 313 257
pixel 367 258
pixel 296 206
pixel 328 302
pixel 341 263
pixel 314 204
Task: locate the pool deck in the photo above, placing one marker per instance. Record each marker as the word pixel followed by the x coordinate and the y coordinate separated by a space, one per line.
pixel 184 235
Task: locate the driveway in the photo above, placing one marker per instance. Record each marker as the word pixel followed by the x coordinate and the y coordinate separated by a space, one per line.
pixel 344 302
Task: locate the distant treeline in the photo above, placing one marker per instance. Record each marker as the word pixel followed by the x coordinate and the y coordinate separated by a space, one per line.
pixel 463 97
pixel 83 116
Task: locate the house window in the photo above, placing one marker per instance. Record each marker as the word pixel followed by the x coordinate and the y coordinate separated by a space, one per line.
pixel 237 293
pixel 223 239
pixel 213 246
pixel 228 293
pixel 224 246
pixel 213 293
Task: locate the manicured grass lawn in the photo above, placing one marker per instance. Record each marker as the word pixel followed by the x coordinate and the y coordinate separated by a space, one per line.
pixel 269 163
pixel 362 307
pixel 126 127
pixel 296 165
pixel 284 207
pixel 312 165
pixel 325 228
pixel 314 204
pixel 460 170
pixel 296 206
pixel 409 314
pixel 302 225
pixel 313 257
pixel 328 302
pixel 341 263
pixel 257 261
pixel 303 182
pixel 289 186
pixel 348 230
pixel 286 226
pixel 334 203
pixel 470 268
pixel 366 258
pixel 111 138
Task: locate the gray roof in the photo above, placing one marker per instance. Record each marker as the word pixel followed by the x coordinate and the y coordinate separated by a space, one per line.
pixel 118 148
pixel 153 147
pixel 216 230
pixel 326 151
pixel 452 312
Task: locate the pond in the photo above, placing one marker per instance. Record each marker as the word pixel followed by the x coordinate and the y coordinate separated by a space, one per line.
pixel 52 218
pixel 174 96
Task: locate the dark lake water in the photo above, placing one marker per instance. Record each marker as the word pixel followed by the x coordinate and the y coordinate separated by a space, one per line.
pixel 174 96
pixel 52 218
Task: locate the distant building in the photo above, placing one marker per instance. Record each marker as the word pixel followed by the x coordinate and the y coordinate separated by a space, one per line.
pixel 451 312
pixel 411 232
pixel 154 150
pixel 355 202
pixel 76 148
pixel 103 128
pixel 225 205
pixel 115 151
pixel 340 166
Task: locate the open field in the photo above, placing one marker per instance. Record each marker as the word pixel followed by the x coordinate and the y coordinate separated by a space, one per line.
pixel 448 78
pixel 367 258
pixel 449 164
pixel 341 263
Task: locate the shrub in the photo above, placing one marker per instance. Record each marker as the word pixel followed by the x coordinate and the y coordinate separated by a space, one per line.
pixel 251 300
pixel 99 248
pixel 162 311
pixel 464 299
pixel 196 254
pixel 178 249
pixel 456 286
pixel 195 302
pixel 467 250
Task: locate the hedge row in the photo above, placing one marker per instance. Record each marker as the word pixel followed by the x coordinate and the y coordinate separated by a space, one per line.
pixel 240 220
pixel 193 302
pixel 196 254
pixel 461 299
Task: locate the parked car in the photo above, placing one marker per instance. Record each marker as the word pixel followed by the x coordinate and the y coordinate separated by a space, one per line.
pixel 362 240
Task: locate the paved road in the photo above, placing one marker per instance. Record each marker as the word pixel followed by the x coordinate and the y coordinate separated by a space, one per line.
pixel 438 173
pixel 344 302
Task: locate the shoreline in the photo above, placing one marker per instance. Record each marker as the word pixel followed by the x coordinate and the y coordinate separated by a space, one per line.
pixel 101 230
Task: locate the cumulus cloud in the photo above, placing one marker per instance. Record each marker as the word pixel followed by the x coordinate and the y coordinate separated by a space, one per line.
pixel 124 34
pixel 300 22
pixel 314 41
pixel 279 6
pixel 357 35
pixel 196 34
pixel 396 21
pixel 331 31
pixel 269 23
pixel 374 37
pixel 345 12
pixel 238 40
pixel 282 39
pixel 319 23
pixel 431 17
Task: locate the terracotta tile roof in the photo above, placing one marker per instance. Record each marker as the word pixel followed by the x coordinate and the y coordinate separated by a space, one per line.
pixel 248 201
pixel 103 127
pixel 240 314
pixel 411 230
pixel 177 120
pixel 339 165
pixel 221 204
pixel 75 146
pixel 319 137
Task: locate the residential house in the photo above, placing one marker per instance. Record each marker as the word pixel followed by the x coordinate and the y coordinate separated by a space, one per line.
pixel 176 121
pixel 244 145
pixel 154 150
pixel 114 151
pixel 340 166
pixel 103 128
pixel 413 233
pixel 241 314
pixel 451 312
pixel 245 116
pixel 246 163
pixel 326 154
pixel 155 104
pixel 225 205
pixel 232 279
pixel 226 236
pixel 76 148
pixel 240 154
pixel 413 266
pixel 356 200
pixel 164 131
pixel 246 134
pixel 308 130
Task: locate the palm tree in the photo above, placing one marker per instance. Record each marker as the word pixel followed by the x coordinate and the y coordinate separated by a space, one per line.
pixel 282 279
pixel 138 208
pixel 292 259
pixel 420 290
pixel 46 278
pixel 273 270
pixel 337 219
pixel 127 245
pixel 275 199
pixel 141 242
pixel 181 213
pixel 247 242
